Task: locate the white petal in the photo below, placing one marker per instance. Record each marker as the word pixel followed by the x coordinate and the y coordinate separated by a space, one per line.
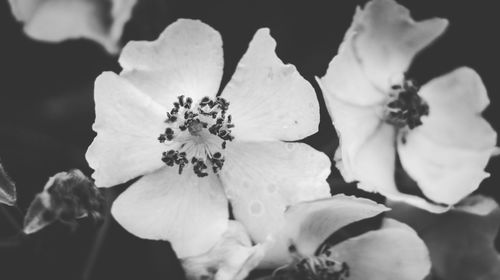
pixel 128 124
pixel 461 244
pixel 393 253
pixel 270 100
pixel 55 20
pixel 346 80
pixel 386 39
pixel 188 211
pixel 186 60
pixel 447 154
pixel 356 126
pixel 262 179
pixel 308 225
pixel 231 258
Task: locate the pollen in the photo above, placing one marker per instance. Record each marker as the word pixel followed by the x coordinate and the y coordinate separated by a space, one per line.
pixel 199 132
pixel 405 107
pixel 322 267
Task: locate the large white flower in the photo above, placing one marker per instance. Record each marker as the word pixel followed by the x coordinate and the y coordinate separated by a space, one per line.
pixel 161 118
pixel 58 20
pixel 437 130
pixel 394 252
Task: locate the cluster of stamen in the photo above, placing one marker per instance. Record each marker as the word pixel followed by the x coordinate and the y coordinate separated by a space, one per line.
pixel 319 267
pixel 322 268
pixel 405 107
pixel 315 268
pixel 188 125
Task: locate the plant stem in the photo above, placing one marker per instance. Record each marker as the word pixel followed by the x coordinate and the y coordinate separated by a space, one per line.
pixel 98 240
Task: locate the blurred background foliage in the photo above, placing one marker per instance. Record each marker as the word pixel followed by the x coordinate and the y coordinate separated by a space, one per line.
pixel 47 109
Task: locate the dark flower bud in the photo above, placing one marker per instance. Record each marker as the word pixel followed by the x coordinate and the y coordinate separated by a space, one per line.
pixel 66 197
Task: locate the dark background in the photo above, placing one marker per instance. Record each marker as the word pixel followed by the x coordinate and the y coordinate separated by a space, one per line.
pixel 46 111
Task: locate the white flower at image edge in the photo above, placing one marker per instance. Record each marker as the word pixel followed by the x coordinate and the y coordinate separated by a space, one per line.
pixel 58 20
pixel 437 131
pixel 161 118
pixel 393 252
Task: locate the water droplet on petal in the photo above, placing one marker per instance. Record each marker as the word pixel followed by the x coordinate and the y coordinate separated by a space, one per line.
pixel 256 208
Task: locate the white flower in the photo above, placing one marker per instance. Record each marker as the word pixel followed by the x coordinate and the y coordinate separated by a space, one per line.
pixel 58 20
pixel 233 257
pixel 193 159
pixel 394 252
pixel 461 243
pixel 437 130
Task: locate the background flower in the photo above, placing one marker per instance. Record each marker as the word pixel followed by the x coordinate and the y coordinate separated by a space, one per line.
pixel 435 132
pixel 393 252
pixel 58 20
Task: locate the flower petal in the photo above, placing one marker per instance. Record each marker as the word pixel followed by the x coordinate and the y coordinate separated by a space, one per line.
pixel 447 154
pixel 356 126
pixel 263 179
pixel 128 124
pixel 346 80
pixel 270 100
pixel 231 258
pixel 393 253
pixel 188 211
pixel 386 39
pixel 56 21
pixel 186 59
pixel 461 244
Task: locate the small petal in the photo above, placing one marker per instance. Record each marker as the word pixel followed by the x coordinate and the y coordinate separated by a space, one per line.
pixel 447 154
pixel 386 39
pixel 461 244
pixel 231 258
pixel 8 193
pixel 188 211
pixel 394 252
pixel 263 179
pixel 56 21
pixel 128 124
pixel 186 60
pixel 270 100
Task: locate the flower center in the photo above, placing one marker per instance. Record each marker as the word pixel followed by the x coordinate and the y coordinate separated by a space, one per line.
pixel 199 134
pixel 322 268
pixel 405 107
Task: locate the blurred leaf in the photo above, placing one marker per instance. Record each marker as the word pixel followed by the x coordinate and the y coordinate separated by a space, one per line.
pixel 461 244
pixel 7 188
